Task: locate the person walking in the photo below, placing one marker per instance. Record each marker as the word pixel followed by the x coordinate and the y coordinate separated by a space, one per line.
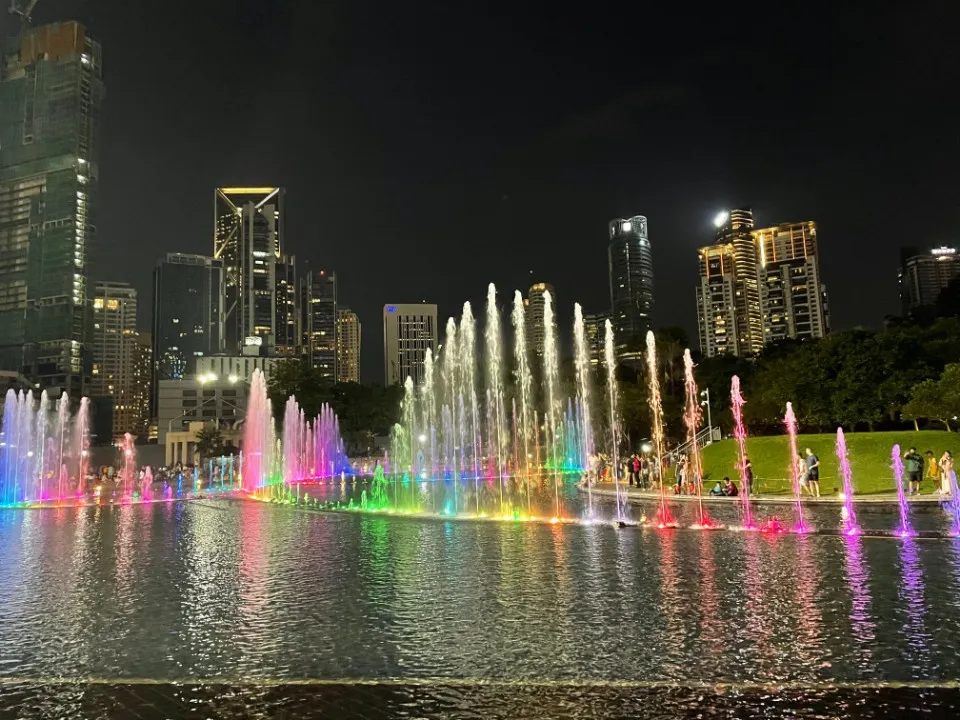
pixel 802 474
pixel 813 473
pixel 747 476
pixel 946 468
pixel 913 465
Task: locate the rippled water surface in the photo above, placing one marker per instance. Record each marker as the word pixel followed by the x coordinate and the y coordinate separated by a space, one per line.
pixel 246 594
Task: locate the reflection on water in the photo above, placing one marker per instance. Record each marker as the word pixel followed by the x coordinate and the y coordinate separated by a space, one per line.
pixel 241 590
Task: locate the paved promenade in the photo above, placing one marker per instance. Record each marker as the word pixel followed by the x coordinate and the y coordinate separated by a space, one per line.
pixel 609 490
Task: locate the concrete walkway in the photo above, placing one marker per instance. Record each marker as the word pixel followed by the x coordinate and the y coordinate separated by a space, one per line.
pixel 632 493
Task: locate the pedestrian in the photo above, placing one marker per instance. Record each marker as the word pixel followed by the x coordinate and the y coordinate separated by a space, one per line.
pixel 635 466
pixel 913 464
pixel 747 476
pixel 802 474
pixel 813 473
pixel 946 468
pixel 730 488
pixel 680 474
pixel 933 469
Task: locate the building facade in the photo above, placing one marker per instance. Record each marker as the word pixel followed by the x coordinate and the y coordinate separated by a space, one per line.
pixel 248 240
pixel 51 91
pixel 199 398
pixel 594 327
pixel 348 346
pixel 792 296
pixel 925 274
pixel 288 317
pixel 187 315
pixel 235 367
pixel 408 332
pixel 535 305
pixel 759 286
pixel 116 354
pixel 318 308
pixel 631 286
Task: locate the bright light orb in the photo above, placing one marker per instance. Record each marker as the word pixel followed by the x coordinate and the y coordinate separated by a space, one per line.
pixel 627 226
pixel 721 219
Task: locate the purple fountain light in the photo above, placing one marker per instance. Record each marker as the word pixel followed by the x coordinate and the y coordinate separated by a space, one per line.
pixel 740 433
pixel 790 420
pixel 849 515
pixel 904 530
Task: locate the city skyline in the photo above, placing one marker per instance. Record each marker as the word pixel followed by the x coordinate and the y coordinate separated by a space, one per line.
pixel 843 178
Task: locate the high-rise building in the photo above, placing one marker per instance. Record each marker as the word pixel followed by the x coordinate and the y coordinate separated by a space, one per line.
pixel 288 319
pixel 792 296
pixel 759 286
pixel 248 239
pixel 115 353
pixel 51 90
pixel 142 388
pixel 318 306
pixel 631 286
pixel 408 331
pixel 534 314
pixel 187 315
pixel 348 346
pixel 925 274
pixel 594 327
pixel 716 316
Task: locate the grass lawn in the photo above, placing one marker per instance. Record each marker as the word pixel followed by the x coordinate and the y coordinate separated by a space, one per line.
pixel 869 454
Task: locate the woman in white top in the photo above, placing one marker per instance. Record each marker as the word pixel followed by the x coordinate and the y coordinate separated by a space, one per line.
pixel 946 470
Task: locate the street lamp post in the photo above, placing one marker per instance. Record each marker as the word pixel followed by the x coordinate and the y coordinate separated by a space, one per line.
pixel 706 403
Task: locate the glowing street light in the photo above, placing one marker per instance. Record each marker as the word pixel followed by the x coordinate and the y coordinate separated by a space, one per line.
pixel 233 379
pixel 422 438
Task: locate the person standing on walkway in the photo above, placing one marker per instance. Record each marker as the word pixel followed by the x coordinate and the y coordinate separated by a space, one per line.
pixel 747 476
pixel 802 474
pixel 946 468
pixel 635 466
pixel 813 473
pixel 913 464
pixel 933 469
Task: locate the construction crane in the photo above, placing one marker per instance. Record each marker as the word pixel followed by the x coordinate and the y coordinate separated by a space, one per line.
pixel 23 9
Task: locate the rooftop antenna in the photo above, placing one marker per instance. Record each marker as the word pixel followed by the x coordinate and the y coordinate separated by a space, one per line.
pixel 23 9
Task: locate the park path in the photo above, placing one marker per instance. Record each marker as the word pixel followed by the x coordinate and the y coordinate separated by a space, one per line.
pixel 609 490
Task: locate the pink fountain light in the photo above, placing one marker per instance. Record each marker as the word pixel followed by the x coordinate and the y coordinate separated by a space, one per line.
pixel 905 530
pixel 257 435
pixel 692 417
pixel 664 518
pixel 790 420
pixel 740 433
pixel 848 514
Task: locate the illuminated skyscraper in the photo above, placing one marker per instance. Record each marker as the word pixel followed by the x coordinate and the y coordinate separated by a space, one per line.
pixel 51 91
pixel 631 285
pixel 925 274
pixel 793 299
pixel 594 327
pixel 408 331
pixel 533 320
pixel 348 345
pixel 187 316
pixel 248 239
pixel 759 286
pixel 288 317
pixel 116 354
pixel 318 305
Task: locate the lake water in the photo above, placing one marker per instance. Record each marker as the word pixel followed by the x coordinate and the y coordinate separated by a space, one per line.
pixel 235 608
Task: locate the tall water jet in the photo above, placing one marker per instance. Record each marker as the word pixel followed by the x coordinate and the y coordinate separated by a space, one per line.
pixel 257 436
pixel 848 514
pixel 582 362
pixel 293 441
pixel 468 381
pixel 610 360
pixel 954 499
pixel 81 445
pixel 551 374
pixel 524 385
pixel 790 420
pixel 62 439
pixel 905 529
pixel 692 417
pixel 496 441
pixel 128 468
pixel 656 419
pixel 404 451
pixel 429 405
pixel 740 433
pixel 451 406
pixel 39 470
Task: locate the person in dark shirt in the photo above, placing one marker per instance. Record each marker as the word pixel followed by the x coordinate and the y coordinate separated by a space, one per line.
pixel 913 465
pixel 813 473
pixel 747 476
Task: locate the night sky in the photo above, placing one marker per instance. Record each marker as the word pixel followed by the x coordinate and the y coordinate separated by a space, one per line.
pixel 429 148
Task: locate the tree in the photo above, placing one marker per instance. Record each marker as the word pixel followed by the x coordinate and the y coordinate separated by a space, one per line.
pixel 927 403
pixel 209 441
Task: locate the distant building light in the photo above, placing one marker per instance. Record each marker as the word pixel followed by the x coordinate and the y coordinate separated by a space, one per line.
pixel 253 341
pixel 391 308
pixel 721 219
pixel 627 226
pixel 943 250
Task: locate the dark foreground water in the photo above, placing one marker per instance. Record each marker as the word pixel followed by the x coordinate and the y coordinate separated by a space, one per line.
pixel 241 609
